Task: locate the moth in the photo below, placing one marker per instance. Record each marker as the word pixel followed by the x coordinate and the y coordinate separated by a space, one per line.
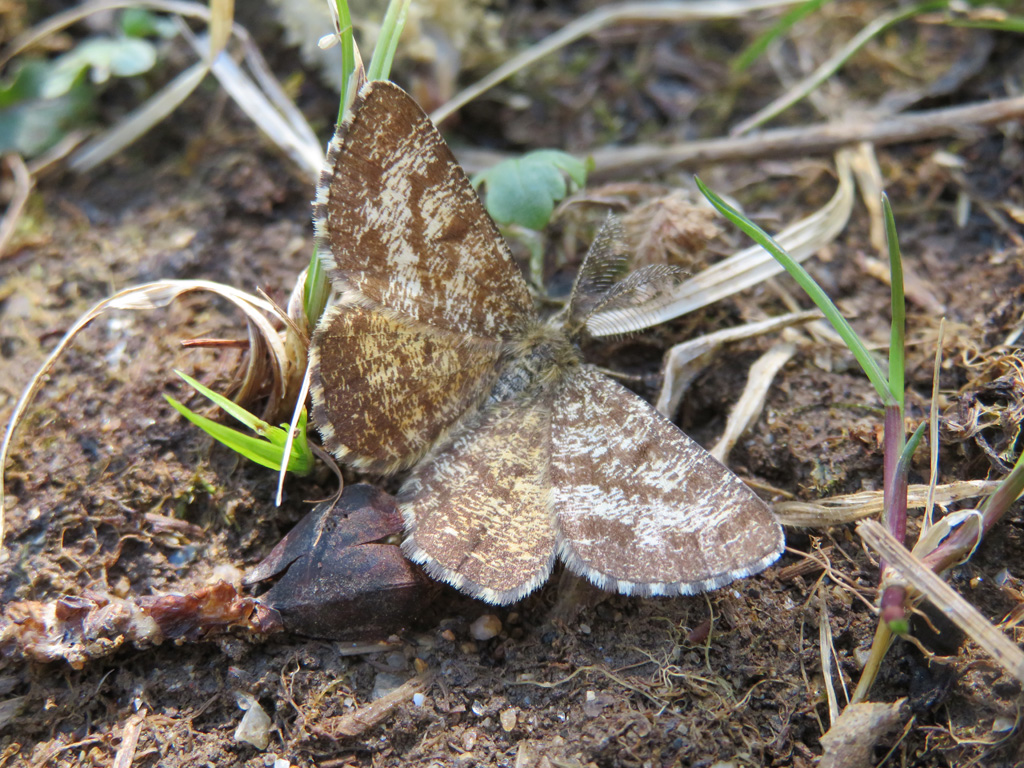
pixel 434 358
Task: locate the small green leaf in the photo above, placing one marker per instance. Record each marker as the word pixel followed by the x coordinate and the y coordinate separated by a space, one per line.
pixel 266 450
pixel 31 124
pixel 27 83
pixel 103 57
pixel 138 22
pixel 524 190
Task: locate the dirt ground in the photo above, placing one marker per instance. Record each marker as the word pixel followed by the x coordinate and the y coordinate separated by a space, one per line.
pixel 110 492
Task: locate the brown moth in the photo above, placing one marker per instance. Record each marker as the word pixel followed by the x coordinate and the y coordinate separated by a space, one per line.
pixel 435 358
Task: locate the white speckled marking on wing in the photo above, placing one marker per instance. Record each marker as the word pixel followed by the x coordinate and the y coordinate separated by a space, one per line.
pixel 399 225
pixel 640 507
pixel 478 510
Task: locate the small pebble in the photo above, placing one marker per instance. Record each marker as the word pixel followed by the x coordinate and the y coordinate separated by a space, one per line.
pixel 469 740
pixel 861 656
pixel 420 665
pixel 508 719
pixel 255 726
pixel 585 629
pixel 448 635
pixel 418 699
pixel 1003 724
pixel 469 647
pixel 486 627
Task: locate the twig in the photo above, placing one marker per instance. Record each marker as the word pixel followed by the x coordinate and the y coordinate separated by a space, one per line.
pixel 129 740
pixel 373 713
pixel 822 137
pixel 826 137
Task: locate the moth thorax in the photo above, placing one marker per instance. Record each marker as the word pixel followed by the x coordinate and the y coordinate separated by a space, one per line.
pixel 542 355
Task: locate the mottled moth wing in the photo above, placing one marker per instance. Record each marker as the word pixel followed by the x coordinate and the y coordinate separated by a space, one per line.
pixel 399 226
pixel 428 287
pixel 640 507
pixel 478 510
pixel 385 390
pixel 435 353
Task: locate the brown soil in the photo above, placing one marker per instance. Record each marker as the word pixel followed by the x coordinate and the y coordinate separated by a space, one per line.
pixel 576 676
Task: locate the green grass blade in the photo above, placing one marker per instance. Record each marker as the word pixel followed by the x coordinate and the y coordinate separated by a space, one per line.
pixel 268 447
pixel 756 49
pixel 387 43
pixel 315 291
pixel 260 451
pixel 898 330
pixel 348 57
pixel 811 288
pixel 903 465
pixel 232 408
pixel 302 457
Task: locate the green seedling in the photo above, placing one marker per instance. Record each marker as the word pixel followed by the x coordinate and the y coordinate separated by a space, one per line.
pixel 524 190
pixel 267 449
pixel 897 450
